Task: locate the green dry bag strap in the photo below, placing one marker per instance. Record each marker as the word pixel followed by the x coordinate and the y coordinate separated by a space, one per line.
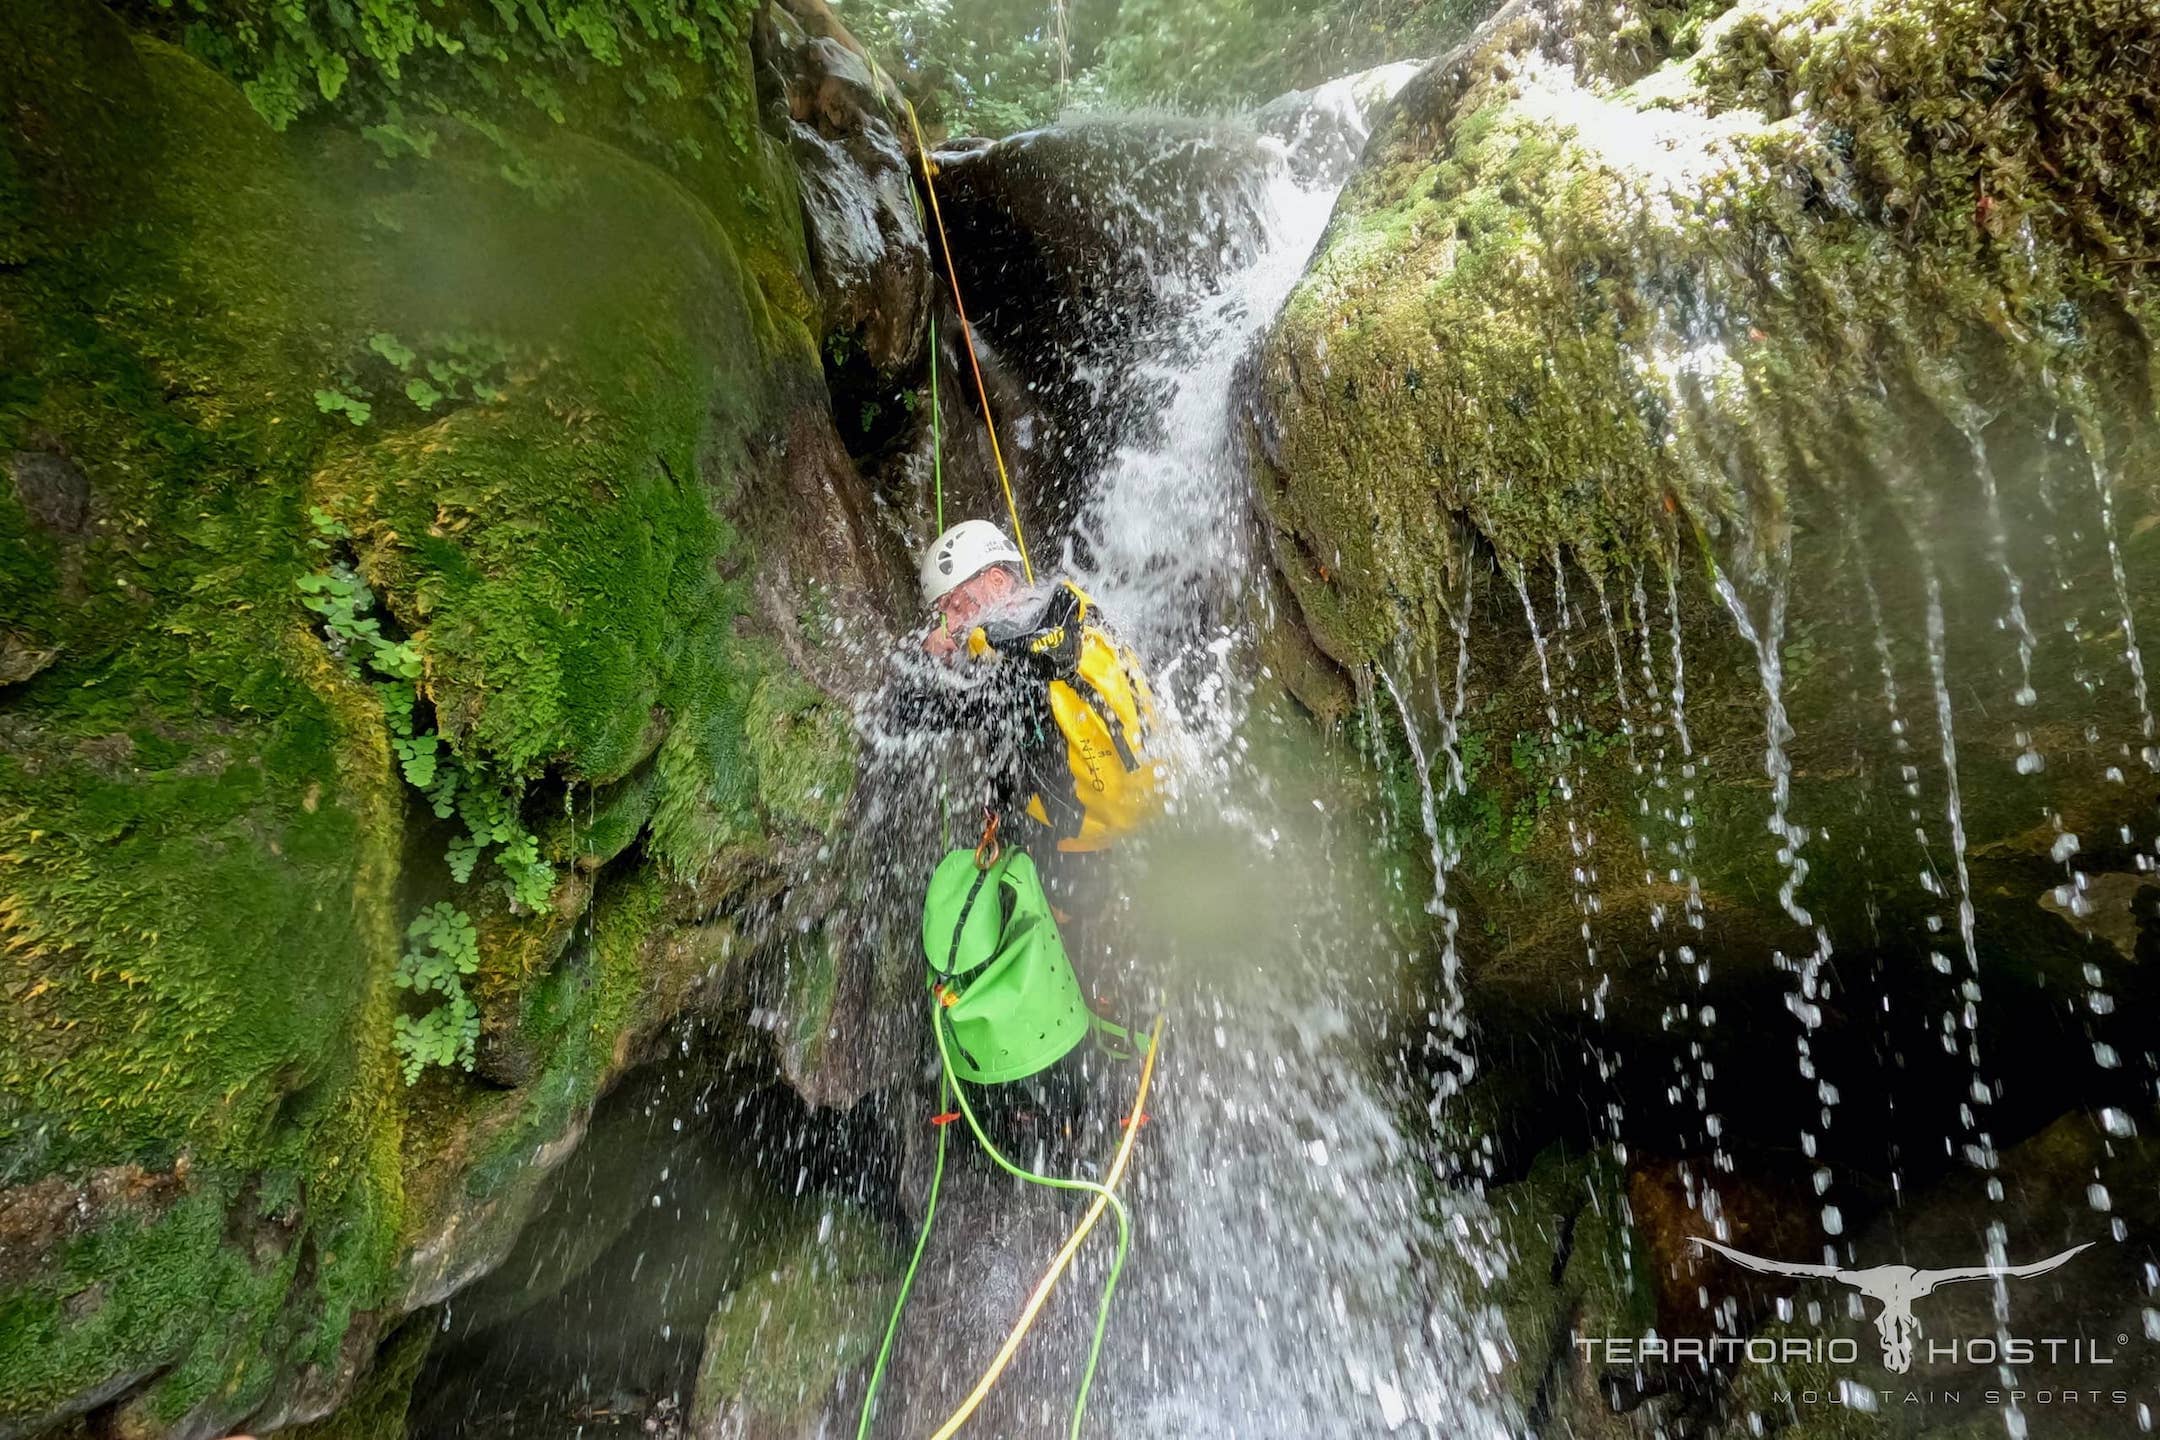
pixel 959 935
pixel 1115 1041
pixel 959 928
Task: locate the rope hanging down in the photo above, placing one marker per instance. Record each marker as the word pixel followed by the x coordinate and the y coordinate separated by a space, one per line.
pixel 907 1282
pixel 967 335
pixel 1104 1198
pixel 937 437
pixel 937 434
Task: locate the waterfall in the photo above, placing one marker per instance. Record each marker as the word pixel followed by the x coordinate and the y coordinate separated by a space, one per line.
pixel 1281 1283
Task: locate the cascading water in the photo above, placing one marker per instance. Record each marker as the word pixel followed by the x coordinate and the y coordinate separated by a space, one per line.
pixel 1281 1288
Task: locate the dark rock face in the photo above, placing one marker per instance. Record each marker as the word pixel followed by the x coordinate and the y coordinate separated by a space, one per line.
pixel 846 133
pixel 54 497
pixel 1071 241
pixel 705 1248
pixel 52 491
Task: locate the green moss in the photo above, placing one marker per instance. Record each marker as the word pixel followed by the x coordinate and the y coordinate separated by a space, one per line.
pixel 379 1403
pixel 196 818
pixel 632 71
pixel 804 749
pixel 1489 339
pixel 1525 426
pixel 616 817
pixel 206 854
pixel 812 1308
pixel 1573 1268
pixel 1577 325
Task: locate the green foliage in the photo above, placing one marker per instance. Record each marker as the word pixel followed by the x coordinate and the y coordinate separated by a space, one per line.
pixel 342 598
pixel 1542 761
pixel 378 61
pixel 443 368
pixel 334 400
pixel 488 808
pixel 441 948
pixel 991 67
pixel 987 67
pixel 392 349
pixel 1221 53
pixel 468 788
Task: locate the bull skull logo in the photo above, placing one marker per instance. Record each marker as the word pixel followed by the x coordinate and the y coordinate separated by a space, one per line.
pixel 1895 1287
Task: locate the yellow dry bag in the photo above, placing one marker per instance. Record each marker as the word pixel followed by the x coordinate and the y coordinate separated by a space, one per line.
pixel 1105 716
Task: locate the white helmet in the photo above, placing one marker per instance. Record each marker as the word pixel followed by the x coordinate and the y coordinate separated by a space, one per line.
pixel 962 553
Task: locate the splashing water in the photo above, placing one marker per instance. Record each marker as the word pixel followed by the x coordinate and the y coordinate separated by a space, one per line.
pixel 1168 541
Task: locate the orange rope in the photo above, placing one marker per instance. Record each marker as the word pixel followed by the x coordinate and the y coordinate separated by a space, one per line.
pixel 967 335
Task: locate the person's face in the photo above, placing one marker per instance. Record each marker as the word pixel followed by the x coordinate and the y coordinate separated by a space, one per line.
pixel 964 604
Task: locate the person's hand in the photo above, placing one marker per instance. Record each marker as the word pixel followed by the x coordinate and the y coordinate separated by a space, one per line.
pixel 939 642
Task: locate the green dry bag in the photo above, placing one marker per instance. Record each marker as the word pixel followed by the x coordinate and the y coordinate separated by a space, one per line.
pixel 1004 983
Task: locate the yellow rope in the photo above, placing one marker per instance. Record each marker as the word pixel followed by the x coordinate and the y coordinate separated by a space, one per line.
pixel 967 334
pixel 1064 1258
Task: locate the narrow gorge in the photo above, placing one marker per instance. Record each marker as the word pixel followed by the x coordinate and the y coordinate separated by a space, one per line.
pixel 1641 521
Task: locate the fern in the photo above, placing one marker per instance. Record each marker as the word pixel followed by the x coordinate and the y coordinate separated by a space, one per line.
pixel 441 943
pixel 376 60
pixel 441 948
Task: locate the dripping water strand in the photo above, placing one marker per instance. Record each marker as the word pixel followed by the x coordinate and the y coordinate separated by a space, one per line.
pixel 1805 1002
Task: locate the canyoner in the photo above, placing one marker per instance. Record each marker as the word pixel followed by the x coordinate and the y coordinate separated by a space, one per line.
pixel 1007 1007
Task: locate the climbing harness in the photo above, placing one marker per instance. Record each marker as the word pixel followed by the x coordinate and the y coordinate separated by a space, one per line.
pixel 1001 980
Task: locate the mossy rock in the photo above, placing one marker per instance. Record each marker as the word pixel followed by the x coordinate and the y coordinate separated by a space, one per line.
pixel 1573 1267
pixel 378 1406
pixel 1786 349
pixel 577 376
pixel 810 1311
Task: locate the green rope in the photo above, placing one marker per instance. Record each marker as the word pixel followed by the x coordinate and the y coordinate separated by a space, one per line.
pixel 907 1283
pixel 949 1085
pixel 1117 1206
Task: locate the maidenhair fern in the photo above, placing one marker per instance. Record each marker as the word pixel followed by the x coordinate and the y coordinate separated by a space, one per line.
pixel 441 948
pixel 441 369
pixel 442 945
